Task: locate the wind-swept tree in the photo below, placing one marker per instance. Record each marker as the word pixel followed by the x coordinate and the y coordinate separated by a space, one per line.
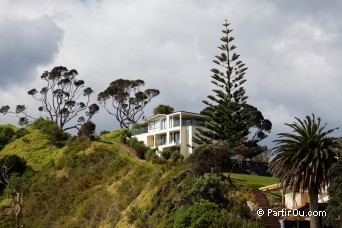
pixel 302 159
pixel 12 175
pixel 60 99
pixel 227 115
pixel 124 99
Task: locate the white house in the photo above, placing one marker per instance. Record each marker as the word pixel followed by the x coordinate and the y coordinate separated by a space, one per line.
pixel 174 130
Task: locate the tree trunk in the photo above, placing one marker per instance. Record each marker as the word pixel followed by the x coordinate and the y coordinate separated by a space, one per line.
pixel 314 220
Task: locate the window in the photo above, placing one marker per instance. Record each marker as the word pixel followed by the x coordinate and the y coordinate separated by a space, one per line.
pixel 151 125
pixel 162 139
pixel 163 124
pixel 176 137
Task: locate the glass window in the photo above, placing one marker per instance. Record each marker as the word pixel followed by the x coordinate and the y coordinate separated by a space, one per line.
pixel 176 136
pixel 163 139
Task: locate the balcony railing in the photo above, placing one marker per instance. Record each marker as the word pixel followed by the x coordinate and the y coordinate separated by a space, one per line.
pixel 139 131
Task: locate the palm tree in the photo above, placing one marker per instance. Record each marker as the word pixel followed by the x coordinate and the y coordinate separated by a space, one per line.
pixel 302 159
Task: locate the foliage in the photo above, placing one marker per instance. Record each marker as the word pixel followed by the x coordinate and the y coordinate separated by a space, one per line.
pixel 176 156
pixel 60 99
pixel 227 115
pixel 134 214
pixel 210 157
pixel 20 133
pixel 14 175
pixel 125 101
pixel 302 159
pixel 151 156
pixel 200 214
pixel 138 146
pixel 163 109
pixel 124 134
pixel 208 187
pixel 166 154
pixel 50 129
pixel 243 219
pixel 87 130
pixel 334 209
pixel 6 134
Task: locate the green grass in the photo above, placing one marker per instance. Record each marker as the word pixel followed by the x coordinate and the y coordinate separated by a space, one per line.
pixel 33 147
pixel 252 181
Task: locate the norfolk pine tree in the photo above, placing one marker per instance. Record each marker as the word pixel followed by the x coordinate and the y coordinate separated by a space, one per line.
pixel 227 115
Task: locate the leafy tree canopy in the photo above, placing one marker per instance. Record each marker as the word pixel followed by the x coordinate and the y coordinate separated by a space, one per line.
pixel 124 99
pixel 163 109
pixel 63 98
pixel 6 135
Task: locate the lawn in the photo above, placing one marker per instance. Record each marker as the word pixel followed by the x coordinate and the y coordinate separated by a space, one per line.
pixel 252 181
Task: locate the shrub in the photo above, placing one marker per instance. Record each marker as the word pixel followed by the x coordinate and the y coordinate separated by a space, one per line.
pixel 138 146
pixel 20 133
pixel 49 128
pixel 123 135
pixel 208 187
pixel 166 154
pixel 6 134
pixel 176 156
pixel 104 132
pixel 231 219
pixel 201 214
pixel 150 154
pixel 87 130
pixel 206 157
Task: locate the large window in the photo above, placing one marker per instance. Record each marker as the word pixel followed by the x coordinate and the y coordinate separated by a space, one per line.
pixel 162 139
pixel 153 125
pixel 176 137
pixel 163 124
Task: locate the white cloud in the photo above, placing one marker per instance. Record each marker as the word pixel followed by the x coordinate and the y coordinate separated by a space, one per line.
pixel 293 50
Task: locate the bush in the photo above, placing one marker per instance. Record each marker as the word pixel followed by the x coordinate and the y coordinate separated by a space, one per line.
pixel 6 134
pixel 150 154
pixel 176 156
pixel 138 146
pixel 123 135
pixel 87 130
pixel 201 214
pixel 208 187
pixel 20 133
pixel 206 157
pixel 49 128
pixel 166 154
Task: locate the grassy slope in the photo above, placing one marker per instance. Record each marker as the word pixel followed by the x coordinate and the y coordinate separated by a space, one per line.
pixel 33 147
pixel 98 185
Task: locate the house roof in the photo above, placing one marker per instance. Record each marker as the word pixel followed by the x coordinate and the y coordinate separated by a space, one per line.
pixel 185 113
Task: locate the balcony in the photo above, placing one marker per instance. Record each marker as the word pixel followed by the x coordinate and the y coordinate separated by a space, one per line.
pixel 139 131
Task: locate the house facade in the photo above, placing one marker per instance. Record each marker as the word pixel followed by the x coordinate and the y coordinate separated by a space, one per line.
pixel 170 131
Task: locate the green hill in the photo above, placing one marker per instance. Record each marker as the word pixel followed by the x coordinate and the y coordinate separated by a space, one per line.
pixel 101 184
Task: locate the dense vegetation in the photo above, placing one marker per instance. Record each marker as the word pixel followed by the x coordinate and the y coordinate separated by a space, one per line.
pixel 100 182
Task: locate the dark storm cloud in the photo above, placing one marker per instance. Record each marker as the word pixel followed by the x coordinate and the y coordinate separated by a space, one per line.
pixel 26 44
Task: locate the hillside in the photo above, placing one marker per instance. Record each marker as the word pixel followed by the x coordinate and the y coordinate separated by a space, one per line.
pixel 101 184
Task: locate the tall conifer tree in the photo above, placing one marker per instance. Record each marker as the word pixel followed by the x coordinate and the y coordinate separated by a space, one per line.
pixel 227 115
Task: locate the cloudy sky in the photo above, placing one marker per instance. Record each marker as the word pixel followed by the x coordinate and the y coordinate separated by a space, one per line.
pixel 293 50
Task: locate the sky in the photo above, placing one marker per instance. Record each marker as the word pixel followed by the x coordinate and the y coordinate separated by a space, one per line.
pixel 293 51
